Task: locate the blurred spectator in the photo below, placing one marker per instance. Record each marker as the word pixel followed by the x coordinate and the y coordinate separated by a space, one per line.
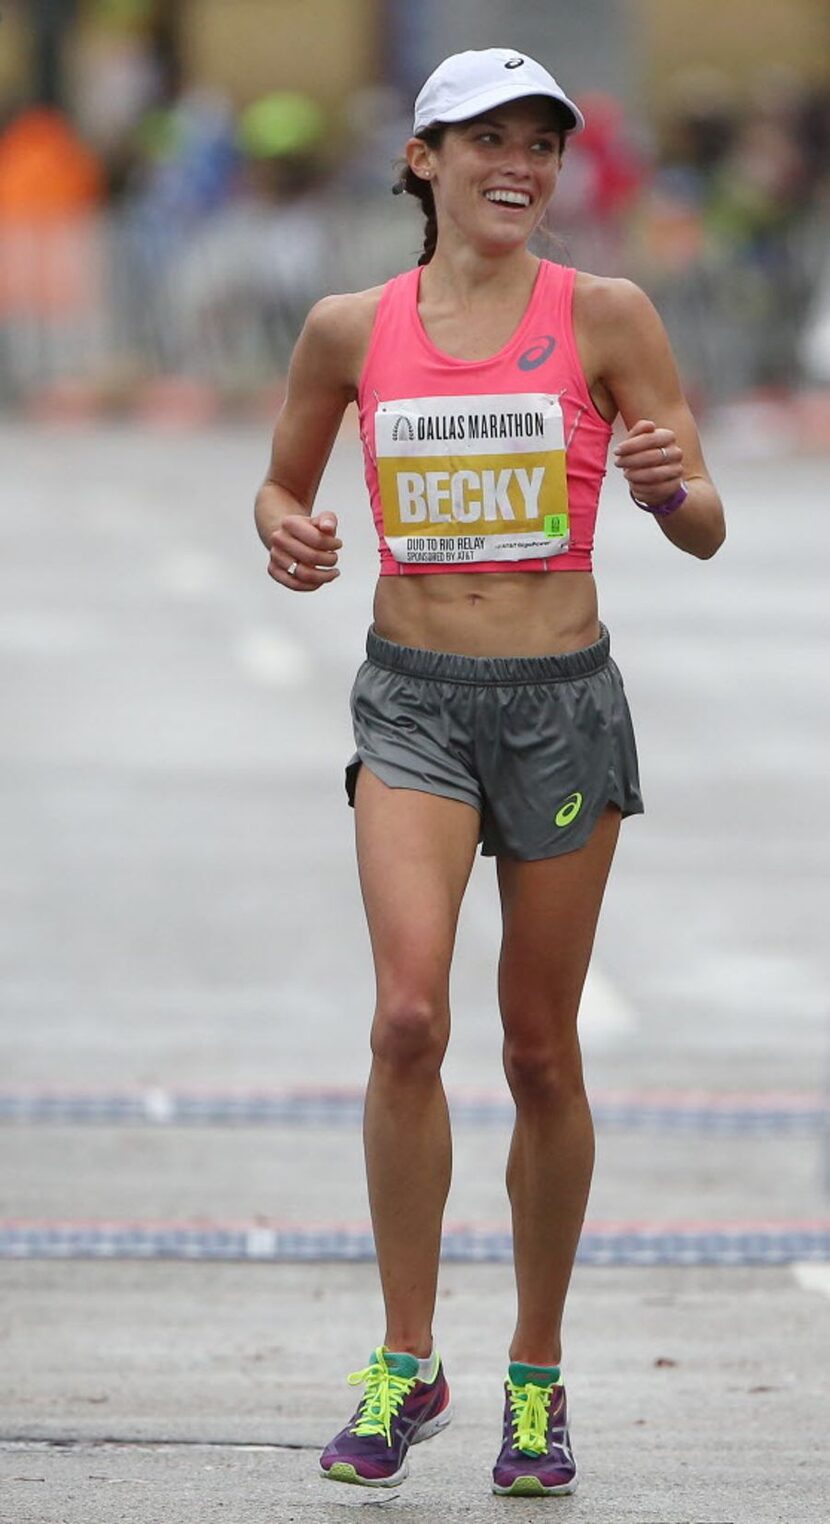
pixel 283 125
pixel 222 226
pixel 699 130
pixel 814 133
pixel 604 170
pixel 754 210
pixel 50 183
pixel 242 288
pixel 46 172
pixel 378 124
pixel 117 82
pixel 186 161
pixel 728 234
pixel 184 170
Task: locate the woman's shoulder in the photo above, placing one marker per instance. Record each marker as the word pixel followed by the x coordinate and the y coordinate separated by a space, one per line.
pixel 345 314
pixel 615 321
pixel 622 337
pixel 340 326
pixel 608 300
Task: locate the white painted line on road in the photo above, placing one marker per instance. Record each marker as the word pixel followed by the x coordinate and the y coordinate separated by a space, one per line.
pixel 604 1011
pixel 782 1243
pixel 158 1105
pixel 272 659
pixel 759 1114
pixel 382 1501
pixel 812 1277
pixel 261 1243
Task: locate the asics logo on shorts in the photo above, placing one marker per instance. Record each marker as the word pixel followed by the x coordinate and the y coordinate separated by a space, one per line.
pixel 568 811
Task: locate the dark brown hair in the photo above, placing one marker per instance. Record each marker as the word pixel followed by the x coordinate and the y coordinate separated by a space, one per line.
pixel 422 190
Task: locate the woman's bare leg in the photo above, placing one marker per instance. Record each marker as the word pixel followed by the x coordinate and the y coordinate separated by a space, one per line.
pixel 415 852
pixel 550 910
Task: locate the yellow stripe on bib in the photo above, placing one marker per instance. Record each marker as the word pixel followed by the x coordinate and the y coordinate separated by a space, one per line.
pixel 484 494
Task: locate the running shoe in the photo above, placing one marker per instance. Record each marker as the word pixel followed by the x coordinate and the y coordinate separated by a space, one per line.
pixel 396 1411
pixel 535 1457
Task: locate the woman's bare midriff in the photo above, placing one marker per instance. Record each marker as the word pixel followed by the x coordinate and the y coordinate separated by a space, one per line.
pixel 489 613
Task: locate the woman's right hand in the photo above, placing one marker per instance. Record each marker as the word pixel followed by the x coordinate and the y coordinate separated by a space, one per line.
pixel 304 551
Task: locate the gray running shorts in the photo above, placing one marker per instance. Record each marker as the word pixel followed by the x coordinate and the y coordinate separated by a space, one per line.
pixel 539 745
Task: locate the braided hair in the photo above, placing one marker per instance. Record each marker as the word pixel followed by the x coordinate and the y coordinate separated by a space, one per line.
pixel 422 191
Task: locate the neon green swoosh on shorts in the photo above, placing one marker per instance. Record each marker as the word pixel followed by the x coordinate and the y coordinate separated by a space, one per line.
pixel 569 810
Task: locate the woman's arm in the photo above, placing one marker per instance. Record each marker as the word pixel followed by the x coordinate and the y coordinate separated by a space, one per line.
pixel 636 366
pixel 321 383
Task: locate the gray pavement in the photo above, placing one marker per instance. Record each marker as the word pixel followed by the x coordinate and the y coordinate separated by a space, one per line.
pixel 698 1394
pixel 240 1174
pixel 180 910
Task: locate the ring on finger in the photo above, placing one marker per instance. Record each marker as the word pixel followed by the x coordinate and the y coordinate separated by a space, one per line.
pixel 292 568
pixel 664 452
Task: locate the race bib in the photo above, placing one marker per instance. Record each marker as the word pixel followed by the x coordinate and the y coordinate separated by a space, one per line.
pixel 473 478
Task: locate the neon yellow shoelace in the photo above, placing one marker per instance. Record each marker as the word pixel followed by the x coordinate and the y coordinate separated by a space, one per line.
pixel 384 1394
pixel 530 1405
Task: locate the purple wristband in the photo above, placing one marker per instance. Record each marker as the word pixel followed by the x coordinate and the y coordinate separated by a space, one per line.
pixel 662 510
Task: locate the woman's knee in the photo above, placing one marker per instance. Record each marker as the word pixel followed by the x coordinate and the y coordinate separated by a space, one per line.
pixel 410 1031
pixel 543 1071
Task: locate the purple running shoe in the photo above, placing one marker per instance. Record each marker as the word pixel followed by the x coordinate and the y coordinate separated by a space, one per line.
pixel 535 1458
pixel 396 1411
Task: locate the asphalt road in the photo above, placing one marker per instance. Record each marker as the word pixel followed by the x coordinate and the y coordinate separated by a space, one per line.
pixel 181 915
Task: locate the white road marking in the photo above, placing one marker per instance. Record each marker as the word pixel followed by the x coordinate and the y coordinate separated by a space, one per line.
pixel 260 1242
pixel 812 1277
pixel 749 980
pixel 604 1011
pixel 372 1501
pixel 273 659
pixel 158 1105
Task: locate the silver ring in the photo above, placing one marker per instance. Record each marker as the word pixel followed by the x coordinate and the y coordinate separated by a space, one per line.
pixel 292 568
pixel 664 452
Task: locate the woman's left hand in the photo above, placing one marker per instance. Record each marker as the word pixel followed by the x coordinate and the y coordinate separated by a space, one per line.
pixel 651 461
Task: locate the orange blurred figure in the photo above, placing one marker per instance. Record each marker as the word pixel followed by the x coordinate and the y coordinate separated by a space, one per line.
pixel 50 187
pixel 46 172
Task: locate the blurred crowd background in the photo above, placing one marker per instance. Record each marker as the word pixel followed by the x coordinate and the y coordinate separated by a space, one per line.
pixel 181 179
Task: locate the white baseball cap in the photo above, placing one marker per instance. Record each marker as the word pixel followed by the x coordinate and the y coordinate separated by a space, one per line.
pixel 467 84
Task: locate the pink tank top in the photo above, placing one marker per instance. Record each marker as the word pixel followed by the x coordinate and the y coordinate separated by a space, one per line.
pixel 481 465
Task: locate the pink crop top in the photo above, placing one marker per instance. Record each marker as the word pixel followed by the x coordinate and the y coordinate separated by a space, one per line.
pixel 481 465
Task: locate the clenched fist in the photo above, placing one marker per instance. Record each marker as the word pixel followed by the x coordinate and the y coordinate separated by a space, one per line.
pixel 651 461
pixel 304 551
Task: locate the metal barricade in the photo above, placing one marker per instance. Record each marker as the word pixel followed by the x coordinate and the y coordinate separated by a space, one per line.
pixel 117 298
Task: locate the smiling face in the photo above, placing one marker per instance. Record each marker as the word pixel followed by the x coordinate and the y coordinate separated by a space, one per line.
pixel 493 176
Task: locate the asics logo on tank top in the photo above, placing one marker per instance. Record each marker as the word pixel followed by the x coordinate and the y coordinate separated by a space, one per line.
pixel 540 350
pixel 514 63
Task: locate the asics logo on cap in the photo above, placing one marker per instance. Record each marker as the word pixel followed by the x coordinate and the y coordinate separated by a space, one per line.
pixel 514 63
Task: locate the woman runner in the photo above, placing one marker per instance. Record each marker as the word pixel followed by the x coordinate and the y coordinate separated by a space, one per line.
pixel 489 708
